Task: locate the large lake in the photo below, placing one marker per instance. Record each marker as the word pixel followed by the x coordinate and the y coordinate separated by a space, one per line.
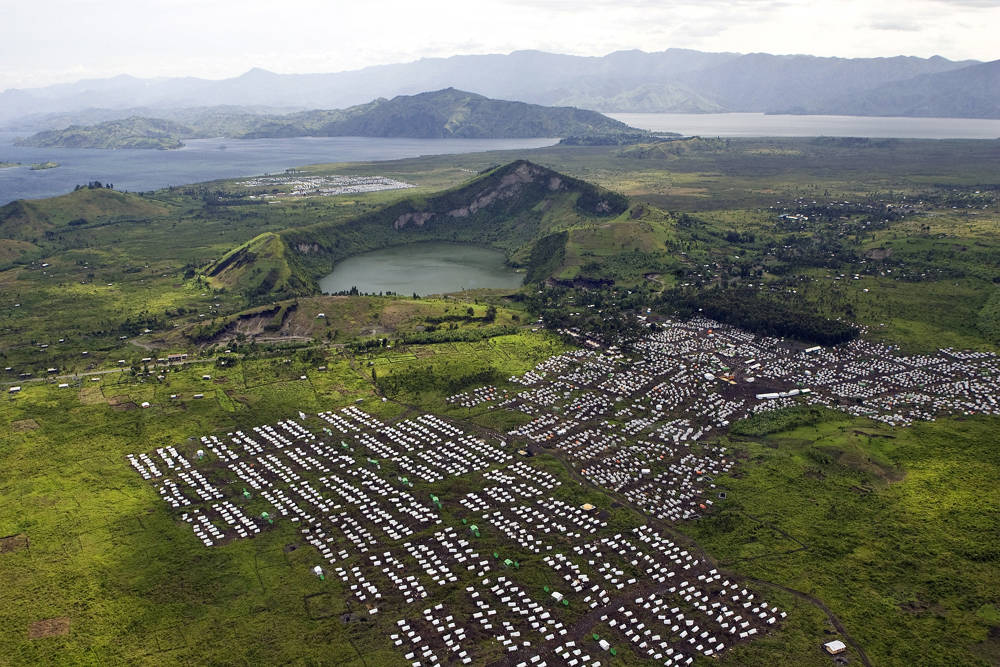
pixel 422 268
pixel 761 125
pixel 205 160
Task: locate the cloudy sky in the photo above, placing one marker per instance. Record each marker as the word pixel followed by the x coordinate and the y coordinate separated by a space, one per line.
pixel 52 41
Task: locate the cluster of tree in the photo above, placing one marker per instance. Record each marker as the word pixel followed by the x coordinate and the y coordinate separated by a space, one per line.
pixel 468 316
pixel 458 335
pixel 368 344
pixel 423 379
pixel 748 309
pixel 603 313
pixel 95 185
pixel 784 419
pixel 610 139
pixel 208 331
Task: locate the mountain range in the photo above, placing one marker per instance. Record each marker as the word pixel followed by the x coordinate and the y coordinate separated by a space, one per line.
pixel 675 80
pixel 441 114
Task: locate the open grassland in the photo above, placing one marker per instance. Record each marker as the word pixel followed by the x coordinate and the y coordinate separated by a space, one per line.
pixel 100 550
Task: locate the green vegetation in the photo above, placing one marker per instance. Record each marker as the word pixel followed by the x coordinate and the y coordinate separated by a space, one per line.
pixel 440 114
pixel 134 585
pixel 39 166
pixel 8 165
pixel 508 207
pixel 887 526
pixel 747 309
pixel 128 133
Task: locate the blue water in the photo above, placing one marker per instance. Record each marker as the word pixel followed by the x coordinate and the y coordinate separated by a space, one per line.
pixel 203 160
pixel 761 125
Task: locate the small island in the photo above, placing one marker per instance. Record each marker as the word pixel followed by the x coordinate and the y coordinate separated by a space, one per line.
pixel 38 166
pixel 127 133
pixel 8 165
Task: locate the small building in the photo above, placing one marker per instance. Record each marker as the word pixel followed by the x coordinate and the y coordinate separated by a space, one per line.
pixel 14 390
pixel 835 647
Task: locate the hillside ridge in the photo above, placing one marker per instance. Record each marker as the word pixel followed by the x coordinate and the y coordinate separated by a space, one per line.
pixel 508 207
pixel 440 114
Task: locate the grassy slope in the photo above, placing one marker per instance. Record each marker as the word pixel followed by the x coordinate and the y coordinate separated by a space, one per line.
pixel 509 207
pixel 29 219
pixel 135 132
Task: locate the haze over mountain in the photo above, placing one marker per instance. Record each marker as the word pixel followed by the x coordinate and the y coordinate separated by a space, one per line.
pixel 441 114
pixel 675 80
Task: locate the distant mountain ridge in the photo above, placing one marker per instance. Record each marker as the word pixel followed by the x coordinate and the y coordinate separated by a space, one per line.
pixel 441 114
pixel 970 92
pixel 675 80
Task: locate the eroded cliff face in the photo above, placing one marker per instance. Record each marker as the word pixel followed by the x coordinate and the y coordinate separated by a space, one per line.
pixel 510 186
pixel 509 207
pixel 417 219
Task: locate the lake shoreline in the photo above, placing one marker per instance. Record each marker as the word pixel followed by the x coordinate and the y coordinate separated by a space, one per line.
pixel 202 160
pixel 423 268
pixel 762 125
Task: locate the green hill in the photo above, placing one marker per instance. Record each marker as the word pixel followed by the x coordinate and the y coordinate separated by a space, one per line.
pixel 444 114
pixel 441 114
pixel 27 219
pixel 509 208
pixel 135 132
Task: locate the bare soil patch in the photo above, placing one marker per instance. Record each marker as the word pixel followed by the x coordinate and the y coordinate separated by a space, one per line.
pixel 122 403
pixel 91 395
pixel 24 425
pixel 49 627
pixel 13 543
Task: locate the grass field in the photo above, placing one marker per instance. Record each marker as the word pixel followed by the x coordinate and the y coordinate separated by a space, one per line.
pixel 889 528
pixel 100 549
